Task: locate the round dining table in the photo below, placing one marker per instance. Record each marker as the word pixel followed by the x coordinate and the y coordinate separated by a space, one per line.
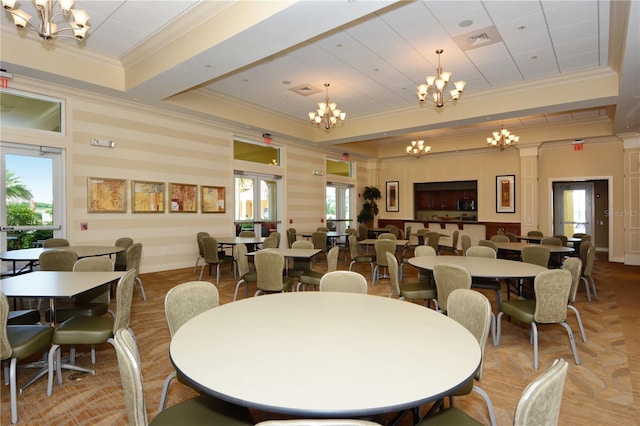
pixel 31 255
pixel 513 246
pixel 482 267
pixel 324 354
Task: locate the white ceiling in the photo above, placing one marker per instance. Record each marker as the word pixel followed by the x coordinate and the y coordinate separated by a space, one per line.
pixel 374 53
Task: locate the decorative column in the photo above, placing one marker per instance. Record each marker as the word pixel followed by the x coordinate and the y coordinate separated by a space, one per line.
pixel 529 189
pixel 631 158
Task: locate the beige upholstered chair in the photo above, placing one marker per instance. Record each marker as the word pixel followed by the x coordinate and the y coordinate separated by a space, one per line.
pixel 363 232
pixel 486 283
pixel 214 257
pixel 343 281
pixel 182 303
pixel 473 310
pixel 432 239
pixel 313 278
pixel 300 265
pixel 387 236
pixel 291 236
pixel 199 236
pixel 121 258
pixel 393 229
pixel 357 257
pixel 535 234
pixel 57 260
pixel 344 246
pixel 382 246
pixel 449 277
pixel 587 273
pixel 489 243
pixel 91 330
pixel 512 237
pixel 322 229
pixel 317 422
pixel 552 289
pixel 416 251
pixel 408 291
pixel 539 403
pixel 551 241
pixel 270 242
pixel 420 235
pixel 454 244
pixel 319 240
pixel 277 236
pixel 199 410
pixel 19 342
pixel 246 275
pixel 465 243
pixel 533 253
pixel 134 256
pixel 500 238
pixel 563 239
pixel 55 242
pixel 248 234
pixel 269 272
pixel 574 265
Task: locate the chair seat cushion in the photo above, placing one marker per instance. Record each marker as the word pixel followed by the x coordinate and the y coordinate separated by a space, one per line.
pixel 417 290
pixel 311 277
pixel 84 331
pixel 287 283
pixel 522 310
pixel 365 258
pixel 203 410
pixel 89 309
pixel 23 317
pixel 250 277
pixel 26 340
pixel 486 283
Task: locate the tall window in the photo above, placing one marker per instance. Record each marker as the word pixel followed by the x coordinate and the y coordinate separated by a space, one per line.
pixel 338 201
pixel 256 202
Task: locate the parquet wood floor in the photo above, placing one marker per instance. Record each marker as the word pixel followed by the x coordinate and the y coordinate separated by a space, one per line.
pixel 604 390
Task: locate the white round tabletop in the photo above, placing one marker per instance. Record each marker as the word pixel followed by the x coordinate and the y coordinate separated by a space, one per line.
pixel 513 246
pixel 33 254
pixel 324 354
pixel 482 267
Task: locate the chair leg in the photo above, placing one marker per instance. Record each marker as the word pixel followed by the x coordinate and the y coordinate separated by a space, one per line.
pixel 375 275
pixel 52 352
pixel 235 293
pixel 534 337
pixel 572 342
pixel 485 396
pixel 586 286
pixel 165 390
pixel 202 270
pixel 13 386
pixel 579 318
pixel 195 268
pixel 139 281
pixel 593 288
pixel 498 326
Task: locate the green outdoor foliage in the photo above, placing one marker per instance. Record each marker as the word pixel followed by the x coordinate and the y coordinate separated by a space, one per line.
pixel 370 208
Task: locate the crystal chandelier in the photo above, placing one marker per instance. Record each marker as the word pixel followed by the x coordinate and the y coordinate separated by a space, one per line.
pixel 47 29
pixel 328 113
pixel 417 148
pixel 502 139
pixel 436 85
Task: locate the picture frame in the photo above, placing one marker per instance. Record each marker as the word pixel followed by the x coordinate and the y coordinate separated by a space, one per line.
pixel 393 197
pixel 106 195
pixel 147 197
pixel 506 194
pixel 212 199
pixel 183 198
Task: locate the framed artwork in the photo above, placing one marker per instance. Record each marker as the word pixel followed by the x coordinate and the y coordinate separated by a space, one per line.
pixel 183 198
pixel 106 195
pixel 392 196
pixel 212 199
pixel 506 194
pixel 147 197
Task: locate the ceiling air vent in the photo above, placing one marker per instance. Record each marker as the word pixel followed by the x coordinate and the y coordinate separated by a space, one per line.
pixel 478 38
pixel 305 90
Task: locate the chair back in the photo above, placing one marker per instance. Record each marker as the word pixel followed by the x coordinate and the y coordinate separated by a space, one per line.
pixel 93 264
pixel 277 236
pixel 131 377
pixel 591 257
pixel 247 234
pixel 302 264
pixel 387 236
pixel 432 239
pixel 121 257
pixel 573 265
pixel 454 239
pixel 55 242
pixel 500 239
pixel 344 281
pixel 535 254
pixel 353 246
pixel 384 246
pixel 540 401
pixel 210 249
pixel 420 232
pixel 392 264
pixel 57 260
pixel 187 300
pixel 552 289
pixel 535 234
pixel 393 229
pixel 407 234
pixel 134 255
pixel 424 251
pixel 472 310
pixel 332 259
pixel 488 243
pixel 302 244
pixel 481 251
pixel 578 235
pixel 322 229
pixel 552 241
pixel 269 268
pixel 512 237
pixel 584 249
pixel 363 232
pixel 270 242
pixel 319 240
pixel 124 294
pixel 5 345
pixel 242 261
pixel 291 236
pixel 563 239
pixel 465 242
pixel 449 277
pixel 199 236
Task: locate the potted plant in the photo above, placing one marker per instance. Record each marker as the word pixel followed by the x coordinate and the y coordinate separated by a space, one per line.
pixel 370 208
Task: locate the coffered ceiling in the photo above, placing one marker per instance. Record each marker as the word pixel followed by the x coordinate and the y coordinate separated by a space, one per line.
pixel 262 64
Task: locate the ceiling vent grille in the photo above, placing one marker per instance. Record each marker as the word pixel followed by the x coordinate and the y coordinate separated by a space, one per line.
pixel 305 90
pixel 478 38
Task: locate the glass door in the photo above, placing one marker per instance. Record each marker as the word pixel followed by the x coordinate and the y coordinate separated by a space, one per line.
pixel 256 203
pixel 338 206
pixel 572 208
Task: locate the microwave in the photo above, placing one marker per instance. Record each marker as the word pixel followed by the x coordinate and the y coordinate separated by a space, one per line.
pixel 466 205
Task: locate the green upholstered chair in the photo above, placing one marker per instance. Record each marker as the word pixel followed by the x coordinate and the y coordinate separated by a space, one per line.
pixel 486 283
pixel 489 243
pixel 277 236
pixel 319 240
pixel 535 234
pixel 500 238
pixel 247 234
pixel 382 246
pixel 322 229
pixel 587 273
pixel 55 242
pixel 363 232
pixel 121 258
pixel 432 239
pixel 300 265
pixel 356 257
pixel 344 246
pixel 512 237
pixel 19 342
pixel 454 244
pixel 214 257
pixel 533 253
pixel 563 239
pixel 199 236
pixel 270 242
pixel 134 256
pixel 420 235
pixel 181 303
pixel 418 290
pixel 318 422
pixel 387 236
pixel 465 243
pixel 269 270
pixel 91 330
pixel 311 277
pixel 449 277
pixel 344 281
pixel 473 310
pixel 291 236
pixel 420 250
pixel 244 272
pixel 57 260
pixel 552 289
pixel 574 265
pixel 539 403
pixel 196 411
pixel 23 317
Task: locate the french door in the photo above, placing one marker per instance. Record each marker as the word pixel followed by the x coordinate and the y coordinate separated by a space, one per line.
pixel 338 205
pixel 572 208
pixel 256 202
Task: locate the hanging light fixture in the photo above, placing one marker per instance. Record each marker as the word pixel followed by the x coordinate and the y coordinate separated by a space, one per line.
pixel 328 113
pixel 502 139
pixel 436 85
pixel 417 148
pixel 48 29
